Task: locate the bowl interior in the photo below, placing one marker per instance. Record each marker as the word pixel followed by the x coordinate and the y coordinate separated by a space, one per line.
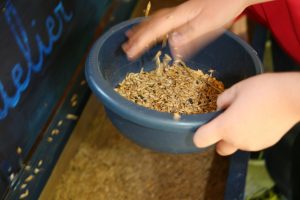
pixel 231 58
pixel 231 61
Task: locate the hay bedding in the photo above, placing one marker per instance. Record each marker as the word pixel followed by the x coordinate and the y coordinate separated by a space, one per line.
pixel 173 88
pixel 119 170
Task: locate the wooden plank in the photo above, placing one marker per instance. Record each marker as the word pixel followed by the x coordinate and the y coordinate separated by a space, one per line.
pixel 106 159
pixel 118 12
pixel 71 148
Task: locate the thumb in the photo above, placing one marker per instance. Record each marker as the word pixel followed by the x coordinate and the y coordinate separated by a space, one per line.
pixel 208 134
pixel 226 98
pixel 224 148
pixel 211 133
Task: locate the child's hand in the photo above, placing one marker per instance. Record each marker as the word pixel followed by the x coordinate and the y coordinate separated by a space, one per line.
pixel 186 24
pixel 259 111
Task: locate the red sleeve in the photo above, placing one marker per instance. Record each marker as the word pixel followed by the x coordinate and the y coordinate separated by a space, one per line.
pixel 282 17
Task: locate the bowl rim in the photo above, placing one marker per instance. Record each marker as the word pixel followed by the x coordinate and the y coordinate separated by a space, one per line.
pixel 139 114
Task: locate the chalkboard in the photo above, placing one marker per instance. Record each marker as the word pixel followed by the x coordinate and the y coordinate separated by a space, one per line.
pixel 41 46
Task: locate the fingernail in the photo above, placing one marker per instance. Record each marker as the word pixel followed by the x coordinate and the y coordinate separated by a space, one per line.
pixel 127 49
pixel 195 140
pixel 176 37
pixel 125 46
pixel 129 33
pixel 130 53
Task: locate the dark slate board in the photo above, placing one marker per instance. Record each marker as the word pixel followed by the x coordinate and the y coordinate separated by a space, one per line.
pixel 41 46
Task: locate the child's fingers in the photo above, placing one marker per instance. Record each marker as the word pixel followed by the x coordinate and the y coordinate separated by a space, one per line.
pixel 224 149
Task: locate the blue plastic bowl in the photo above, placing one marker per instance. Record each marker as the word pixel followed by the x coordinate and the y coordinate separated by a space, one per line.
pixel 107 65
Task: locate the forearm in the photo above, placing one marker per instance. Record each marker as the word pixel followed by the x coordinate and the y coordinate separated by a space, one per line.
pixel 258 112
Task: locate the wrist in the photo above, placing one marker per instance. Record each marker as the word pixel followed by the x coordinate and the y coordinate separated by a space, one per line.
pixel 291 92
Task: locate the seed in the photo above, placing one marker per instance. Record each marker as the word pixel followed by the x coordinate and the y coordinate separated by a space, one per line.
pixel 36 171
pixel 24 195
pixel 176 116
pixel 50 139
pixel 55 132
pixel 29 178
pixel 19 150
pixel 74 97
pixel 165 40
pixel 74 103
pixel 148 8
pixel 40 163
pixel 12 176
pixel 166 59
pixel 28 167
pixel 60 122
pixel 23 186
pixel 211 71
pixel 71 117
